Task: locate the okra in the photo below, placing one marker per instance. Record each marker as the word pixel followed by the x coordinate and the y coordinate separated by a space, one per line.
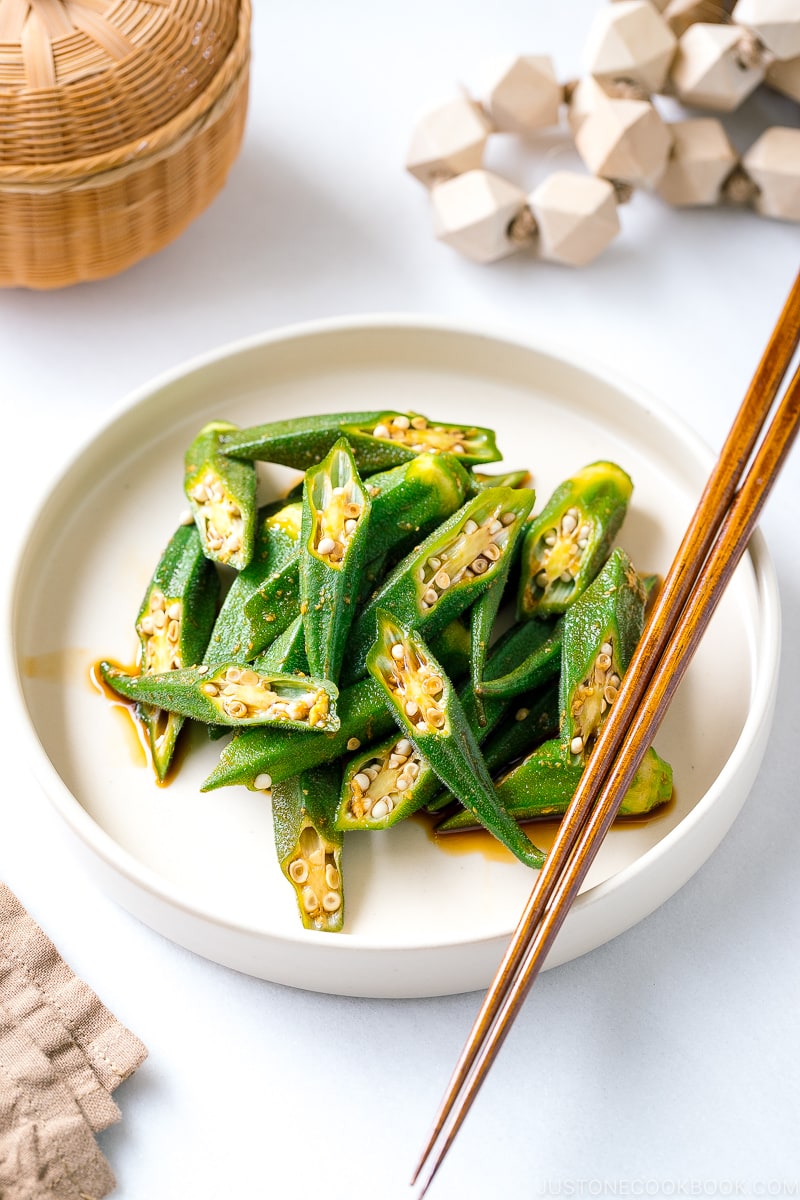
pixel 541 663
pixel 379 440
pixel 447 572
pixel 568 542
pixel 601 630
pixel 273 573
pixel 425 704
pixel 173 624
pixel 512 479
pixel 256 754
pixel 287 654
pixel 406 501
pixel 333 547
pixel 308 845
pixel 544 784
pixel 222 495
pixel 232 694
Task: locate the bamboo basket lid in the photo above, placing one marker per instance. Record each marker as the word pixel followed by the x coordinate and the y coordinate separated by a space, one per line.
pixel 79 78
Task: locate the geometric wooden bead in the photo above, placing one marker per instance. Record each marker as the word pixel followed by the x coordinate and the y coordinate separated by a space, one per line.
pixel 447 141
pixel 522 94
pixel 773 162
pixel 708 70
pixel 624 140
pixel 472 214
pixel 630 40
pixel 785 77
pixel 775 22
pixel 576 216
pixel 584 98
pixel 680 14
pixel 701 159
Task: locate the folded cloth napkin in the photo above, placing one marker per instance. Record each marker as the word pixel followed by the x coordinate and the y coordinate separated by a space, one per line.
pixel 62 1053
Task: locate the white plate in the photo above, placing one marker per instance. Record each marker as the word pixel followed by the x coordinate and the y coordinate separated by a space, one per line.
pixel 201 868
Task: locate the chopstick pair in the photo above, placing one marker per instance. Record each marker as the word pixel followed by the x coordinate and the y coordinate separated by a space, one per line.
pixel 712 546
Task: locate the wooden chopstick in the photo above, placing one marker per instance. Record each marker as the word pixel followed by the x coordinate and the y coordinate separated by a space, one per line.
pixel 527 947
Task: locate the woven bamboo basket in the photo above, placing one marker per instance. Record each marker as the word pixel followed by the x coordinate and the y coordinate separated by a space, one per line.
pixel 119 121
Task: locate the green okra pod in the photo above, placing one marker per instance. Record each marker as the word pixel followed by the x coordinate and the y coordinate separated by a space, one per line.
pixel 380 439
pixel 449 571
pixel 287 654
pixel 387 782
pixel 173 625
pixel 274 574
pixel 333 549
pixel 233 694
pixel 309 847
pixel 544 784
pixel 601 630
pixel 222 495
pixel 568 542
pixel 363 716
pixel 512 479
pixel 540 663
pixel 425 704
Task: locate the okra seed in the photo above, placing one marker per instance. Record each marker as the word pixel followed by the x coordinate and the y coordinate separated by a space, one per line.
pixel 262 782
pixel 332 877
pixel 396 760
pixel 442 580
pixel 174 610
pixel 470 526
pixel 550 538
pixel 479 565
pixel 202 669
pixel 508 518
pixel 614 680
pixel 566 577
pixel 380 431
pixel 352 510
pixel 583 543
pixel 379 809
pixel 433 685
pixel 337 553
pixel 425 606
pixel 603 661
pixel 606 648
pixel 326 545
pixel 350 526
pixel 584 531
pixel 159 618
pixel 372 773
pixel 610 693
pixel 146 625
pixel 298 870
pixel 494 526
pixel 576 745
pixel 431 596
pixel 568 524
pixel 186 517
pixel 398 651
pixel 403 783
pixel 361 781
pixel 435 717
pixel 541 579
pixel 353 743
pixel 411 708
pixel 458 448
pixel 421 726
pixel 412 769
pixel 421 574
pixel 233 674
pixel 249 678
pixel 310 902
pixel 521 714
pixel 235 709
pixel 173 631
pixel 492 552
pixel 403 747
pixel 434 563
pixel 401 422
pixel 210 689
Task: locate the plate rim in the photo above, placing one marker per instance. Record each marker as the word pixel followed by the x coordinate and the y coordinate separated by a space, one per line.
pixel 120 860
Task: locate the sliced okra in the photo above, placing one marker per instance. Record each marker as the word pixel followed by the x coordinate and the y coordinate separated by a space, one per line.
pixel 233 694
pixel 173 625
pixel 544 784
pixel 407 502
pixel 333 548
pixel 308 845
pixel 254 754
pixel 449 571
pixel 222 495
pixel 601 630
pixel 481 622
pixel 541 662
pixel 425 704
pixel 568 542
pixel 287 654
pixel 273 573
pixel 379 440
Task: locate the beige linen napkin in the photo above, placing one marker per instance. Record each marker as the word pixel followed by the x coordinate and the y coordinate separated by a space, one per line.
pixel 62 1053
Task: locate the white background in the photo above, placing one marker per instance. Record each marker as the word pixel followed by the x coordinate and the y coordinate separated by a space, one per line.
pixel 666 1060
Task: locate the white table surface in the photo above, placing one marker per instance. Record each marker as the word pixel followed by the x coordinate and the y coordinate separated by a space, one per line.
pixel 665 1063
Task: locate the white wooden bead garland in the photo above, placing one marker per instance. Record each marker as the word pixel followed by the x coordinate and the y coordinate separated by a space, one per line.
pixel 706 53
